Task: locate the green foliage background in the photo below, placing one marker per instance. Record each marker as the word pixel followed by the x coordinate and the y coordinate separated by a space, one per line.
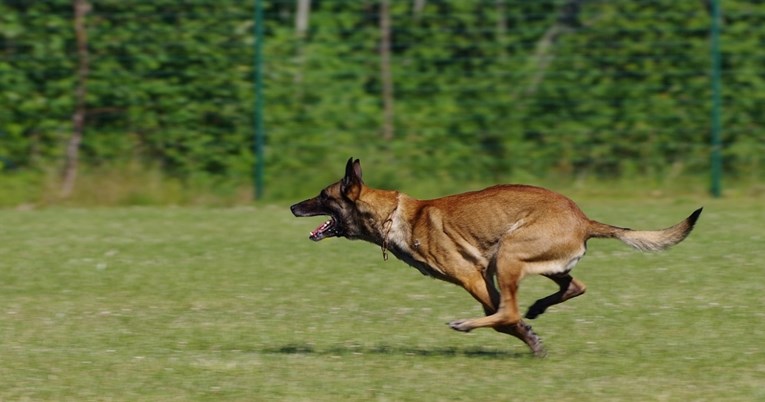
pixel 623 91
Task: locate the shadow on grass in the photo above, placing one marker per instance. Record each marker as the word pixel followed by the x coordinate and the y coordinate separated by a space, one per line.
pixel 383 349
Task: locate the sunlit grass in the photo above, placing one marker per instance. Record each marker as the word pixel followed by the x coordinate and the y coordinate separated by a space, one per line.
pixel 237 304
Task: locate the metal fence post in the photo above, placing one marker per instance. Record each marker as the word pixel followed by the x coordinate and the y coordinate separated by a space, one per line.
pixel 716 142
pixel 259 127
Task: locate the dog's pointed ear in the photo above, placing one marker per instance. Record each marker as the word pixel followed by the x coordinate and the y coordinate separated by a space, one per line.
pixel 351 183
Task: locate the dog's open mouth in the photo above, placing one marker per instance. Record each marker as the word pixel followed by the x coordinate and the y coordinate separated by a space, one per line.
pixel 326 229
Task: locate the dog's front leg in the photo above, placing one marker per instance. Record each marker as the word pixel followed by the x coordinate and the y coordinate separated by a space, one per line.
pixel 481 287
pixel 509 274
pixel 569 288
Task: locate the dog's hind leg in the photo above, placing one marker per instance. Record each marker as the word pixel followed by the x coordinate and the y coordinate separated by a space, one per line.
pixel 509 274
pixel 523 331
pixel 483 290
pixel 569 288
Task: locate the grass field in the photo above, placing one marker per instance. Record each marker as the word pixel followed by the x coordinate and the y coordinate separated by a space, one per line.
pixel 237 304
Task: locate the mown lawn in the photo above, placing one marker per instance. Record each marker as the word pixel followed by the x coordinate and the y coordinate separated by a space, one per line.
pixel 237 304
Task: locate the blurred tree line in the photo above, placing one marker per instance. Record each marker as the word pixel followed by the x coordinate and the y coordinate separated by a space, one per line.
pixel 425 89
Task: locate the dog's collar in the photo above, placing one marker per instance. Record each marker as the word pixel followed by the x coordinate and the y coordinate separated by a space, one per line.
pixel 387 225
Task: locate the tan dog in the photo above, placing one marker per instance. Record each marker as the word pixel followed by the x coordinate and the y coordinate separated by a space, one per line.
pixel 504 232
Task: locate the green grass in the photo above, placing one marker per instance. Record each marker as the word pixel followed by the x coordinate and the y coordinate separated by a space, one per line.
pixel 237 304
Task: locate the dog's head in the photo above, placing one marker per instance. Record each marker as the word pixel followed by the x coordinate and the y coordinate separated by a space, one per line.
pixel 338 201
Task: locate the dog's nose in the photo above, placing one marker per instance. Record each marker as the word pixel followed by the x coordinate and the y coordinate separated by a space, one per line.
pixel 293 209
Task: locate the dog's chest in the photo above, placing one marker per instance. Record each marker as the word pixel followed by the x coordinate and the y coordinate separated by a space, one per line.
pixel 415 260
pixel 408 248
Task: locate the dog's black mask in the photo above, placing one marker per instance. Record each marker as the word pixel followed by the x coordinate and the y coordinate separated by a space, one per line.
pixel 336 201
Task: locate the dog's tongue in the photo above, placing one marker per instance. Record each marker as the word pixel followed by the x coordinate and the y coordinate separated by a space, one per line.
pixel 318 233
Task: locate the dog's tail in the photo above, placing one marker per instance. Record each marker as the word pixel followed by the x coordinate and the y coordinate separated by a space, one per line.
pixel 646 240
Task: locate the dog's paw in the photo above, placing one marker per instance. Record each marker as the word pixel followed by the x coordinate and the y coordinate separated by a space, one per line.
pixel 539 352
pixel 460 325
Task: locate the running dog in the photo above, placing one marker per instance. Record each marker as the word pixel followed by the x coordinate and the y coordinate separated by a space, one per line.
pixel 501 233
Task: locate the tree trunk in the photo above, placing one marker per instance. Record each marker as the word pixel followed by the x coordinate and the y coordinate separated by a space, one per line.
pixel 81 8
pixel 567 21
pixel 417 8
pixel 501 10
pixel 386 75
pixel 302 17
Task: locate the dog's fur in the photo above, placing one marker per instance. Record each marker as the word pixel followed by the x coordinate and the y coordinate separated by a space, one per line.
pixel 504 232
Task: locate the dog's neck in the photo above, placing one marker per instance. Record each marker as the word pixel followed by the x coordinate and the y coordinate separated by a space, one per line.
pixel 386 228
pixel 381 216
